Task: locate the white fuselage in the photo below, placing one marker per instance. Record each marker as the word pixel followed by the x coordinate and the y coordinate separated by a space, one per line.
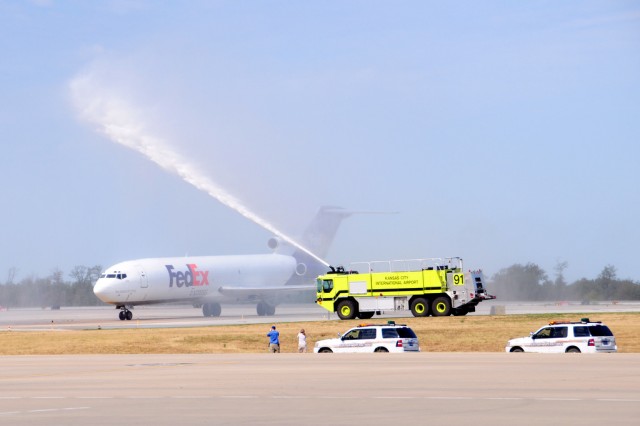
pixel 203 278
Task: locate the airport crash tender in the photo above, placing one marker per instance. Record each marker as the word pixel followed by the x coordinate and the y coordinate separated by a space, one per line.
pixel 436 286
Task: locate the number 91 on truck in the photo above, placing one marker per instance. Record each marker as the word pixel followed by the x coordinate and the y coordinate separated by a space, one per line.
pixel 434 286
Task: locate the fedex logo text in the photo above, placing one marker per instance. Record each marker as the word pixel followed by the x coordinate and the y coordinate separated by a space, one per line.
pixel 189 278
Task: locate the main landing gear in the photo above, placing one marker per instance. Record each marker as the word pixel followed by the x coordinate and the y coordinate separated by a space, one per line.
pixel 124 314
pixel 265 309
pixel 212 309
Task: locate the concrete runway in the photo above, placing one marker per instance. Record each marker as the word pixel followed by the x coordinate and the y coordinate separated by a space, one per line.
pixel 166 316
pixel 318 389
pixel 288 389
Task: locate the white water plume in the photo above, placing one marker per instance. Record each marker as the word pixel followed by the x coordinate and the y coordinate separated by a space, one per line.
pixel 118 120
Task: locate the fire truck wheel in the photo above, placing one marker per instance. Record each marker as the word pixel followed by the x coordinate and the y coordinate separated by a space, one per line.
pixel 420 307
pixel 347 309
pixel 441 307
pixel 365 315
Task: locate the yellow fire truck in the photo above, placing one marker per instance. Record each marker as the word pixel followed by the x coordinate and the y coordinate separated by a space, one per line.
pixel 436 286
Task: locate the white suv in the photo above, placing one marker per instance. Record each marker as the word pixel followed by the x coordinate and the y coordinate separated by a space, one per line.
pixel 372 338
pixel 570 337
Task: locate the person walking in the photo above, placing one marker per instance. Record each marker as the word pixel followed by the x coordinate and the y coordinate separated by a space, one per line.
pixel 274 340
pixel 302 341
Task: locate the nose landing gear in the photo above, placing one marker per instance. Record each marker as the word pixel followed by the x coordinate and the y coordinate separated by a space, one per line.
pixel 124 314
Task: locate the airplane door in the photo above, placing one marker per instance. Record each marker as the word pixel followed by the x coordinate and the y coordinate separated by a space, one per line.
pixel 144 283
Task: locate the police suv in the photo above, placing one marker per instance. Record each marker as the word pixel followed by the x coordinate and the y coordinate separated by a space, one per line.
pixel 569 337
pixel 372 338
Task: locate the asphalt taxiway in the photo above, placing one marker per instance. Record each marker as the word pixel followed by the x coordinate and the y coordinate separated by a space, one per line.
pixel 167 316
pixel 320 389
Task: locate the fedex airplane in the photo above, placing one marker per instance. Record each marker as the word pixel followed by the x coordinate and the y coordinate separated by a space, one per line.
pixel 208 281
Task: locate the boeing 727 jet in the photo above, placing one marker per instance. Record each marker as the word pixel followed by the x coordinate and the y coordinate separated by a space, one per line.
pixel 209 281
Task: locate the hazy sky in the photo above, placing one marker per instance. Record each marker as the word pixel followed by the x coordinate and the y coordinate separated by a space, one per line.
pixel 501 131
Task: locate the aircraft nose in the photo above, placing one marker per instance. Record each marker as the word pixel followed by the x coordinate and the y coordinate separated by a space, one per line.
pixel 101 290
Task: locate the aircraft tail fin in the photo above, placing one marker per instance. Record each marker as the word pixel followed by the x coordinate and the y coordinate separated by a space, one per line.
pixel 319 235
pixel 317 239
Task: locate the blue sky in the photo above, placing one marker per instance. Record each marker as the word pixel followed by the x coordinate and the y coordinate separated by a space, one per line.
pixel 502 132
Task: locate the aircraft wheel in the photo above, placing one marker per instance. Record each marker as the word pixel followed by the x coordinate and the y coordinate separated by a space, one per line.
pixel 215 309
pixel 269 310
pixel 261 309
pixel 129 315
pixel 206 310
pixel 122 316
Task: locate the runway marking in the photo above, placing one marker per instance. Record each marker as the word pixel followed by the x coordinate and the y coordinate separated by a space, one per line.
pixel 44 410
pixel 450 397
pixel 238 396
pixel 506 398
pixel 144 397
pixel 395 397
pixel 94 397
pixel 558 399
pixel 190 397
pixel 289 397
pixel 406 397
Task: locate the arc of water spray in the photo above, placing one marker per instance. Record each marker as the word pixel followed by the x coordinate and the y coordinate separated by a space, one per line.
pixel 116 119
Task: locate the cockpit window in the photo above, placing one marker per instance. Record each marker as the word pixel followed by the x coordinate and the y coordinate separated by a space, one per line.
pixel 119 276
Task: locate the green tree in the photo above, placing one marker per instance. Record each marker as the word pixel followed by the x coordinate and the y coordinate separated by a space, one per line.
pixel 521 282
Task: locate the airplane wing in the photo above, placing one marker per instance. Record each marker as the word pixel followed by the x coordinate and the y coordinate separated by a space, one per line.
pixel 263 292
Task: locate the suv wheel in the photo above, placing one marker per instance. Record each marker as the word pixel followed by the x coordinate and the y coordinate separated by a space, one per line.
pixel 381 349
pixel 573 350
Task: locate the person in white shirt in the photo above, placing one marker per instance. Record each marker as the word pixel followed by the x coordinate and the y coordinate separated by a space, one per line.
pixel 302 341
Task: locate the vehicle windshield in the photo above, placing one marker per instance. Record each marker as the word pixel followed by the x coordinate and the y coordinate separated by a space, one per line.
pixel 360 334
pixel 600 330
pixel 324 285
pixel 406 333
pixel 551 333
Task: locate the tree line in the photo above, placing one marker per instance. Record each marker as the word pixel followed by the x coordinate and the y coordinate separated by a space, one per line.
pixel 517 282
pixel 52 290
pixel 531 283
